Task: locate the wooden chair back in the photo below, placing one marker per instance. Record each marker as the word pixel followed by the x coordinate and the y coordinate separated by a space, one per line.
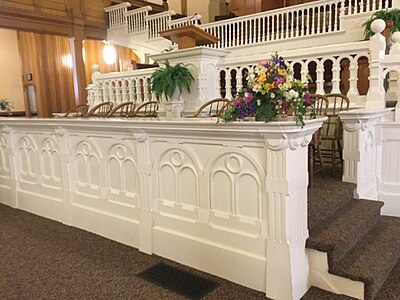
pixel 146 110
pixel 100 110
pixel 213 108
pixel 77 111
pixel 125 109
pixel 332 128
pixel 320 104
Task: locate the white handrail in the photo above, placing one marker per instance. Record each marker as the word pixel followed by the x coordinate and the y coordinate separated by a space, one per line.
pixel 117 15
pixel 190 20
pixel 296 21
pixel 137 19
pixel 159 22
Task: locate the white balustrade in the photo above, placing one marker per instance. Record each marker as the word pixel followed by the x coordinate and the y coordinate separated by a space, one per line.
pixel 304 20
pixel 327 65
pixel 355 7
pixel 159 22
pixel 117 15
pixel 294 21
pixel 137 19
pixel 190 20
pixel 120 87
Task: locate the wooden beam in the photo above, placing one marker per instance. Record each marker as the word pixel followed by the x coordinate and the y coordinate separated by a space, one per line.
pixel 184 7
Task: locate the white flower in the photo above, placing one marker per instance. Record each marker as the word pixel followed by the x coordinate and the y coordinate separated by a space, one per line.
pixel 258 102
pixel 257 87
pixel 272 96
pixel 291 94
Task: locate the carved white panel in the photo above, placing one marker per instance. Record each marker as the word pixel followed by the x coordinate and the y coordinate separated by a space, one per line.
pixel 50 162
pixel 178 180
pixel 391 161
pixel 235 189
pixel 27 151
pixel 122 176
pixel 4 160
pixel 87 168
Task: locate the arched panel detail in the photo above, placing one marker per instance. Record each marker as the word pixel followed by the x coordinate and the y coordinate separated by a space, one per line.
pixel 87 165
pixel 122 173
pixel 229 175
pixel 50 161
pixel 178 177
pixel 28 154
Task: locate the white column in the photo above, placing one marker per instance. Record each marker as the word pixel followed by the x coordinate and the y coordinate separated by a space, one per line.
pixel 144 169
pixel 287 231
pixel 362 150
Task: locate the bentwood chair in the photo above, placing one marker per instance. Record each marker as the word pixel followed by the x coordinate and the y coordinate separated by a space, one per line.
pixel 125 109
pixel 146 110
pixel 332 129
pixel 320 108
pixel 77 111
pixel 213 108
pixel 100 110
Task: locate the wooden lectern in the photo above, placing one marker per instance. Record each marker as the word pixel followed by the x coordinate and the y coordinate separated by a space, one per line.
pixel 188 36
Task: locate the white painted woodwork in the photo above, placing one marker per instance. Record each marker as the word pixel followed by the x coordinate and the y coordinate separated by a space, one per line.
pixel 228 199
pixel 321 278
pixel 331 21
pixel 136 20
pixel 389 179
pixel 362 152
pixel 117 15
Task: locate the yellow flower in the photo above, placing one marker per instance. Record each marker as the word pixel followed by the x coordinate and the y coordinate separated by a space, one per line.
pixel 281 72
pixel 269 86
pixel 262 78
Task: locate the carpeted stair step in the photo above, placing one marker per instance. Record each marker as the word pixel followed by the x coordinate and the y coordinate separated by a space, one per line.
pixel 325 198
pixel 373 258
pixel 390 290
pixel 339 233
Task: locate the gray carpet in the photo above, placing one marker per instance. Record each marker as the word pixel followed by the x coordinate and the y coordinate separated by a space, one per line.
pixel 44 259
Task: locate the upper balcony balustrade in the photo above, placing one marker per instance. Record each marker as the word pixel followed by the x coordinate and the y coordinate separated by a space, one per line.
pixel 293 27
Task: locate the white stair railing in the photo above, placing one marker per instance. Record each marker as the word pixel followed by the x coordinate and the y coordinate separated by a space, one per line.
pixel 137 19
pixel 355 7
pixel 117 15
pixel 296 21
pixel 190 20
pixel 159 22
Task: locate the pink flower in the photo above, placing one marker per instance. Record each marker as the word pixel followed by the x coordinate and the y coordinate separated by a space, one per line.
pixel 264 63
pixel 278 81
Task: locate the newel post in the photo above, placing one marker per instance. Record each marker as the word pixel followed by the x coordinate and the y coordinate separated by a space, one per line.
pixel 377 46
pixel 287 265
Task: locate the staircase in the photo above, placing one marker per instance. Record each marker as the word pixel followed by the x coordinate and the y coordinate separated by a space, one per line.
pixel 362 246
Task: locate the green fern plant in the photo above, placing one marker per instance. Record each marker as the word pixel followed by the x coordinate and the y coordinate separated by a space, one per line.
pixel 165 80
pixel 386 15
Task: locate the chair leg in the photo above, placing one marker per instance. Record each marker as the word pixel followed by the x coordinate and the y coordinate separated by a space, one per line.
pixel 311 165
pixel 333 157
pixel 321 162
pixel 340 152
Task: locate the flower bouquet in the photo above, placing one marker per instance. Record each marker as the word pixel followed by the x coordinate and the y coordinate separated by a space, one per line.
pixel 271 93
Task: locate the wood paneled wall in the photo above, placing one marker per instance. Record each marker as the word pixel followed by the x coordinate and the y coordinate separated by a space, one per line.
pixel 55 16
pixel 94 55
pixel 48 59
